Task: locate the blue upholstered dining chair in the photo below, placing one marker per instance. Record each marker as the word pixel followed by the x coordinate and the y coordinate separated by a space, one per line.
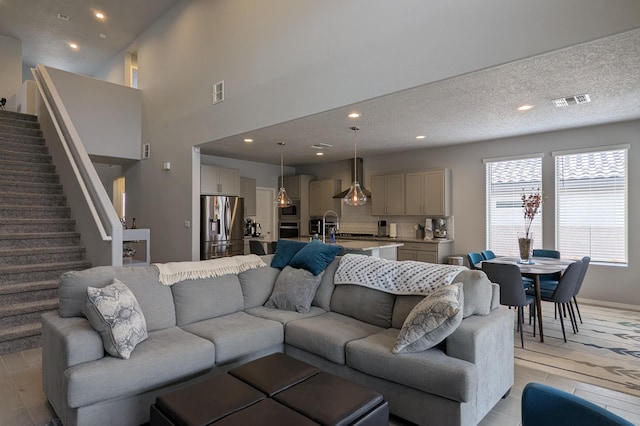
pixel 544 405
pixel 555 254
pixel 512 292
pixel 488 254
pixel 562 295
pixel 474 258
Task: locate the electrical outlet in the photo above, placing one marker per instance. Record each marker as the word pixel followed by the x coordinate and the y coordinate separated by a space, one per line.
pixel 187 224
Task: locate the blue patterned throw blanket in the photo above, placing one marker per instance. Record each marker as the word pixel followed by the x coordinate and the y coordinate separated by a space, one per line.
pixel 395 277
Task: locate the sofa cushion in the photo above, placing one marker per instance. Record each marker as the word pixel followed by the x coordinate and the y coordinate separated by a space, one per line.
pixel 285 250
pixel 362 303
pixel 478 292
pixel 401 308
pixel 155 299
pixel 326 335
pixel 315 256
pixel 294 290
pixel 257 284
pixel 201 299
pixel 325 290
pixel 113 311
pixel 166 356
pixel 281 316
pixel 238 334
pixel 431 371
pixel 432 320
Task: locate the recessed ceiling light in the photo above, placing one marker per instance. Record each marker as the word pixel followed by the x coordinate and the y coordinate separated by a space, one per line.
pixel 354 115
pixel 525 107
pixel 102 35
pixel 248 140
pixel 73 46
pixel 100 15
pixel 319 153
pixel 420 137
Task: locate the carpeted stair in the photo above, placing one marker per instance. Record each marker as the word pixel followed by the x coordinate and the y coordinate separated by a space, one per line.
pixel 38 241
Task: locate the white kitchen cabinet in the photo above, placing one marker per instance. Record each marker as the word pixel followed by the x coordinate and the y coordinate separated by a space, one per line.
pixel 216 180
pixel 321 194
pixel 428 193
pixel 387 195
pixel 248 192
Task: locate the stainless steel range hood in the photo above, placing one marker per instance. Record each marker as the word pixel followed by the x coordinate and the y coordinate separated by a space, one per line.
pixel 358 173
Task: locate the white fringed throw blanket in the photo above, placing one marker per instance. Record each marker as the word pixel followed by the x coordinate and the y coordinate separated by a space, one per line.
pixel 173 272
pixel 404 277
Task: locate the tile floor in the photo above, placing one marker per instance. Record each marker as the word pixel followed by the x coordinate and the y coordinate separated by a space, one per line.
pixel 22 402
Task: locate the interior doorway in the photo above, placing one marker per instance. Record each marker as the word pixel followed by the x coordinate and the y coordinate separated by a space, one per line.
pixel 266 212
pixel 120 197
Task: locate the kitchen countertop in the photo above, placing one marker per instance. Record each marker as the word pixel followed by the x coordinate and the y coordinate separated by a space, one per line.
pixel 364 245
pixel 398 239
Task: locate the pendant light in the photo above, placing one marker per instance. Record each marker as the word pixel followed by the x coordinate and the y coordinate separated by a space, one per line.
pixel 282 199
pixel 355 196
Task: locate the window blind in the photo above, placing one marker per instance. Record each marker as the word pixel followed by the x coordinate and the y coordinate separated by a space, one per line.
pixel 591 205
pixel 506 181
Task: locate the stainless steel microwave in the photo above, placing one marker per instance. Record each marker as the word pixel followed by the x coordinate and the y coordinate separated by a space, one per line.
pixel 291 212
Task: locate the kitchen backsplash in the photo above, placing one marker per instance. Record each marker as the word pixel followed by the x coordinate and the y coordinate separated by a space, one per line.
pixel 360 220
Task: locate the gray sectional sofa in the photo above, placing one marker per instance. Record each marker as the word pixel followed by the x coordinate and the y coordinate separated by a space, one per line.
pixel 207 326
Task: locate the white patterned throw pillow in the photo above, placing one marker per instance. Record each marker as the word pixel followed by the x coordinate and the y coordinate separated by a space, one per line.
pixel 432 320
pixel 113 311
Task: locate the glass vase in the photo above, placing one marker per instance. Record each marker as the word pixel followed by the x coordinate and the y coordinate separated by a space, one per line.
pixel 525 246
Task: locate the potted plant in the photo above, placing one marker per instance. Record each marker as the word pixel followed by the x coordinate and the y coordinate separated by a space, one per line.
pixel 531 205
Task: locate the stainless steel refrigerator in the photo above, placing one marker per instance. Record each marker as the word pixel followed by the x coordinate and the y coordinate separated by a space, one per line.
pixel 221 226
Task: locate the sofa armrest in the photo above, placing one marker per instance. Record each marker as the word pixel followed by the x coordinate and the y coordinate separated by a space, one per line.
pixel 487 341
pixel 65 342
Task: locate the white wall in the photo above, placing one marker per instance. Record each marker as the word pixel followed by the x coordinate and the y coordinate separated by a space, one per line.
pixel 296 58
pixel 106 116
pixel 10 68
pixel 606 283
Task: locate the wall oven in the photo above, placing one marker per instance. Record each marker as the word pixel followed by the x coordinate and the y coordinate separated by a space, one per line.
pixel 289 229
pixel 290 213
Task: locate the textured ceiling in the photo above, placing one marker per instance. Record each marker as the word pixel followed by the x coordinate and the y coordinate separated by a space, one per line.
pixel 45 38
pixel 469 108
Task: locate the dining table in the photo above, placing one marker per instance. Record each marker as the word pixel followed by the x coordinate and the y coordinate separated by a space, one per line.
pixel 534 269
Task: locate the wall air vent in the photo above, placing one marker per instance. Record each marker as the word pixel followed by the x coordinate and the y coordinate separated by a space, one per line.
pixel 571 100
pixel 146 151
pixel 321 145
pixel 218 92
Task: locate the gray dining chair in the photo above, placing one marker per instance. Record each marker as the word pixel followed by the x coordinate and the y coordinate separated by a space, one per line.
pixel 256 247
pixel 550 286
pixel 562 295
pixel 512 292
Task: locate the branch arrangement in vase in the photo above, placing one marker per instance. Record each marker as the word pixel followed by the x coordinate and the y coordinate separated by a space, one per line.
pixel 532 205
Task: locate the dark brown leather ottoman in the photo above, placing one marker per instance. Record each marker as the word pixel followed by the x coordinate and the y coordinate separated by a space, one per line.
pixel 272 390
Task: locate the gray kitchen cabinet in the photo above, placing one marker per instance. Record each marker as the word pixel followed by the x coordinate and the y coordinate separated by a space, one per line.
pixel 321 194
pixel 248 192
pixel 428 193
pixel 216 180
pixel 430 252
pixel 387 195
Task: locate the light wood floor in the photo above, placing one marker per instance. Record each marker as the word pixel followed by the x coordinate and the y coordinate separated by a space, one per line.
pixel 22 402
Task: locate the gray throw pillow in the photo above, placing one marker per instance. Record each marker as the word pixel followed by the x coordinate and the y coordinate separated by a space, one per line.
pixel 432 320
pixel 294 290
pixel 113 311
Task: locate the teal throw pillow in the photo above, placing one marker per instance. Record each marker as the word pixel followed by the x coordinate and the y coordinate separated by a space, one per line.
pixel 285 250
pixel 315 256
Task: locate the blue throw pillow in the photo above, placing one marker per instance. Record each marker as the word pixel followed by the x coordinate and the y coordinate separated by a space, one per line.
pixel 315 256
pixel 285 250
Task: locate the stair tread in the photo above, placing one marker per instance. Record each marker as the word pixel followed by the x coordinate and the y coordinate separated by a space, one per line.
pixel 39 250
pixel 36 235
pixel 37 220
pixel 25 307
pixel 19 331
pixel 29 195
pixel 71 265
pixel 28 286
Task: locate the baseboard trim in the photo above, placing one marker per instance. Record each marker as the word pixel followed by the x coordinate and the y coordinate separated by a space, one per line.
pixel 606 304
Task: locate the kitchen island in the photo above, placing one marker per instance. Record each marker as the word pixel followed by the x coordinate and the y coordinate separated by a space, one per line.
pixel 382 249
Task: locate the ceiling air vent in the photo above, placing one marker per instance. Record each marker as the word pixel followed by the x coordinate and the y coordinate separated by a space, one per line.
pixel 218 92
pixel 571 100
pixel 63 16
pixel 321 145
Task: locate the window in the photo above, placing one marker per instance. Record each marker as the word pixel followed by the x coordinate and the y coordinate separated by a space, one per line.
pixel 591 204
pixel 506 180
